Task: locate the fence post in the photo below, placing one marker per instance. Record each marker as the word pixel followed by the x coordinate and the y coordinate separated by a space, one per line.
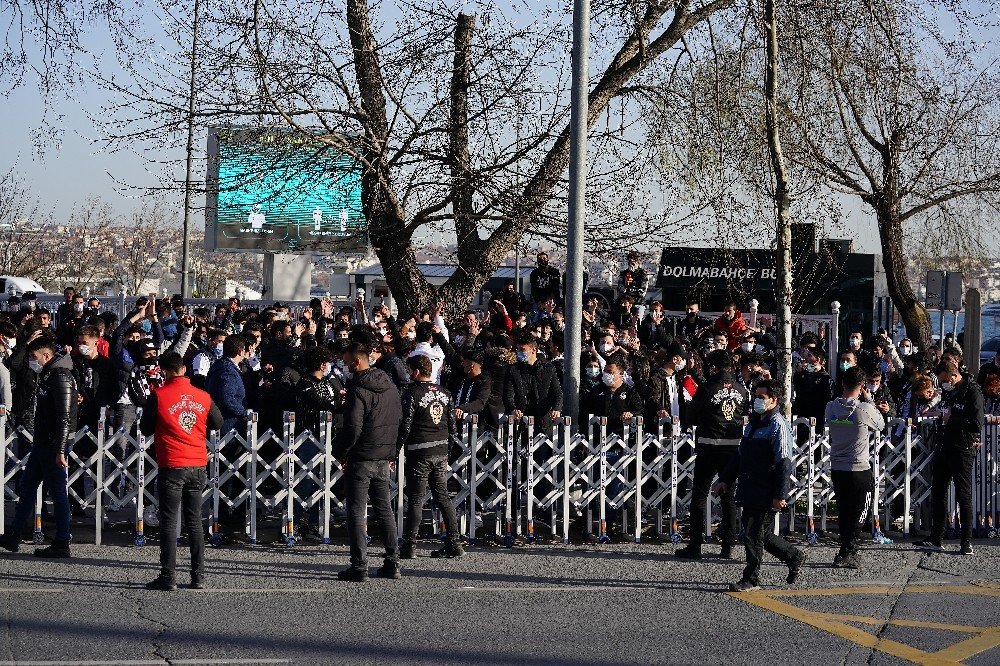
pixel 602 508
pixel 639 437
pixel 99 498
pixel 529 495
pixel 834 342
pixel 509 488
pixel 289 444
pixel 252 425
pixel 400 494
pixel 215 538
pixel 327 419
pixel 811 536
pixel 471 435
pixel 140 482
pixel 675 524
pixel 4 443
pixel 567 434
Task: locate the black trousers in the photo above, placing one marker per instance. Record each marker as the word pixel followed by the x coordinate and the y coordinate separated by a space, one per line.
pixel 758 527
pixel 854 495
pixel 421 471
pixel 952 464
pixel 711 460
pixel 180 490
pixel 369 479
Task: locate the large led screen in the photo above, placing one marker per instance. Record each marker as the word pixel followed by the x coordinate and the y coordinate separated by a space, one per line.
pixel 278 190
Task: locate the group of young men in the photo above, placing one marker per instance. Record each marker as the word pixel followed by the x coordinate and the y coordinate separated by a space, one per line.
pixel 405 383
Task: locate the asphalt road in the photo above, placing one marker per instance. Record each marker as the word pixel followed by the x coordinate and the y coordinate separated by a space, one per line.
pixel 544 604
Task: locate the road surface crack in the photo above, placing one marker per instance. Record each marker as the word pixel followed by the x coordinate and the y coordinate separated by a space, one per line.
pixel 161 626
pixel 895 604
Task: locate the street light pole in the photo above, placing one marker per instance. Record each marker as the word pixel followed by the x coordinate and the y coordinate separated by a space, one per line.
pixel 185 252
pixel 577 208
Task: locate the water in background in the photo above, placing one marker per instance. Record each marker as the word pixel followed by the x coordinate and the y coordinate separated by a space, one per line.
pixel 991 322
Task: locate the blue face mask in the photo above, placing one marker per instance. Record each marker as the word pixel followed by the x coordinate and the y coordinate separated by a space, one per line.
pixel 884 366
pixel 759 406
pixel 218 350
pixel 146 326
pixel 522 356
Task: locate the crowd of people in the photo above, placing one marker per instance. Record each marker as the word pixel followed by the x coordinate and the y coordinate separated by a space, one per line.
pixel 406 381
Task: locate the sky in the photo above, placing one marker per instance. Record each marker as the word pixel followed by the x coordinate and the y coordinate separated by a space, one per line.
pixel 74 167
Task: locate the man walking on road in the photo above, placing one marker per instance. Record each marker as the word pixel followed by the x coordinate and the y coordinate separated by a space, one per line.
pixel 179 416
pixel 763 467
pixel 366 448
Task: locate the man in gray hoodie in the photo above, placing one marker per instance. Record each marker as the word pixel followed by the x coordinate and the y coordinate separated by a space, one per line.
pixel 852 419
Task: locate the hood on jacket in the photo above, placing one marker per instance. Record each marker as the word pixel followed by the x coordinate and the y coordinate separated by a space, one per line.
pixel 842 409
pixel 59 361
pixel 373 380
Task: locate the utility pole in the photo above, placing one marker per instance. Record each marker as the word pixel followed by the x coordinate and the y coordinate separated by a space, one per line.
pixel 186 250
pixel 782 203
pixel 577 207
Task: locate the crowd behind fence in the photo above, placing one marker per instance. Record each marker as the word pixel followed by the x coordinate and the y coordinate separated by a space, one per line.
pixel 525 482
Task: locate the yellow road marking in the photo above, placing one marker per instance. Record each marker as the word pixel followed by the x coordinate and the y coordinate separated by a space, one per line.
pixel 985 638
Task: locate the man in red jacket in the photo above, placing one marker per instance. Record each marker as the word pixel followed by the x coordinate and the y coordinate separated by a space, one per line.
pixel 179 416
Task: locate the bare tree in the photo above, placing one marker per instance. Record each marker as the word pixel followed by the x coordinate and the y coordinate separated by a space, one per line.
pixel 24 230
pixel 134 255
pixel 460 122
pixel 884 108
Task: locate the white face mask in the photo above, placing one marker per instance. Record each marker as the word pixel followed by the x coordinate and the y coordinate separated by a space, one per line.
pixel 855 342
pixel 680 365
pixel 12 344
pixel 85 350
pixel 871 388
pixel 906 350
pixel 34 365
pixel 593 372
pixel 606 347
pixel 760 405
pixel 747 347
pixel 947 386
pixel 607 378
pixel 412 335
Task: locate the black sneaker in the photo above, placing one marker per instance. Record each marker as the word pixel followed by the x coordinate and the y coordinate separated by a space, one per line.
pixel 162 584
pixel 743 586
pixel 353 575
pixel 795 566
pixel 967 549
pixel 406 551
pixel 11 542
pixel 727 551
pixel 389 570
pixel 449 551
pixel 197 584
pixel 58 549
pixel 850 562
pixel 689 552
pixel 928 544
pixel 838 560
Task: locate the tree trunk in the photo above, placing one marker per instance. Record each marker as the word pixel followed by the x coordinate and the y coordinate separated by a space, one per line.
pixel 782 203
pixel 911 311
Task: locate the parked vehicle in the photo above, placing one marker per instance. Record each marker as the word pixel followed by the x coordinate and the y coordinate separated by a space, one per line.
pixel 989 349
pixel 18 286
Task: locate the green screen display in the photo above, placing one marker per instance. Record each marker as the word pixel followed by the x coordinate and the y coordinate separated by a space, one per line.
pixel 280 191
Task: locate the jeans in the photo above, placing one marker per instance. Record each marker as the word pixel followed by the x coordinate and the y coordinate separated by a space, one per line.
pixel 854 494
pixel 180 490
pixel 369 479
pixel 758 525
pixel 41 466
pixel 420 470
pixel 123 417
pixel 952 463
pixel 711 461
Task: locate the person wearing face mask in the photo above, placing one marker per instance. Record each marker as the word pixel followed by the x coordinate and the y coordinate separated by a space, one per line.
pixel 717 410
pixel 906 347
pixel 732 324
pixel 474 392
pixel 812 387
pixel 670 388
pixel 384 358
pixel 95 378
pixel 654 332
pixel 855 343
pixel 224 383
pixel 853 420
pixel 545 280
pixel 56 409
pixel 207 357
pixel 70 321
pixel 65 310
pixel 613 399
pixel 532 387
pixel 761 469
pixel 590 380
pixel 878 394
pixel 959 436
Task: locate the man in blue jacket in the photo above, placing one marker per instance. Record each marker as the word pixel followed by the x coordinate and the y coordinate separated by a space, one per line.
pixel 225 384
pixel 761 470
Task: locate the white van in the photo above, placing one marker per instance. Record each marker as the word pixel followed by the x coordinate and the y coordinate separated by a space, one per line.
pixel 18 286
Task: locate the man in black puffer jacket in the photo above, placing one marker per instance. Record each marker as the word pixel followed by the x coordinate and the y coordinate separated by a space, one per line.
pixel 718 409
pixel 366 447
pixel 426 431
pixel 55 425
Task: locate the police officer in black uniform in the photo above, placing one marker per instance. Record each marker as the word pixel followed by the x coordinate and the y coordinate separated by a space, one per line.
pixel 426 430
pixel 959 437
pixel 718 410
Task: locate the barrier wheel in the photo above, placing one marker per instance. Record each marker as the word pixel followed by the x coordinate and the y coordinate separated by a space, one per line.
pixel 37 538
pixel 508 542
pixel 531 539
pixel 216 540
pixel 290 541
pixel 140 540
pixel 675 538
pixel 326 541
pixel 993 534
pixel 368 540
pixel 813 538
pixel 604 538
